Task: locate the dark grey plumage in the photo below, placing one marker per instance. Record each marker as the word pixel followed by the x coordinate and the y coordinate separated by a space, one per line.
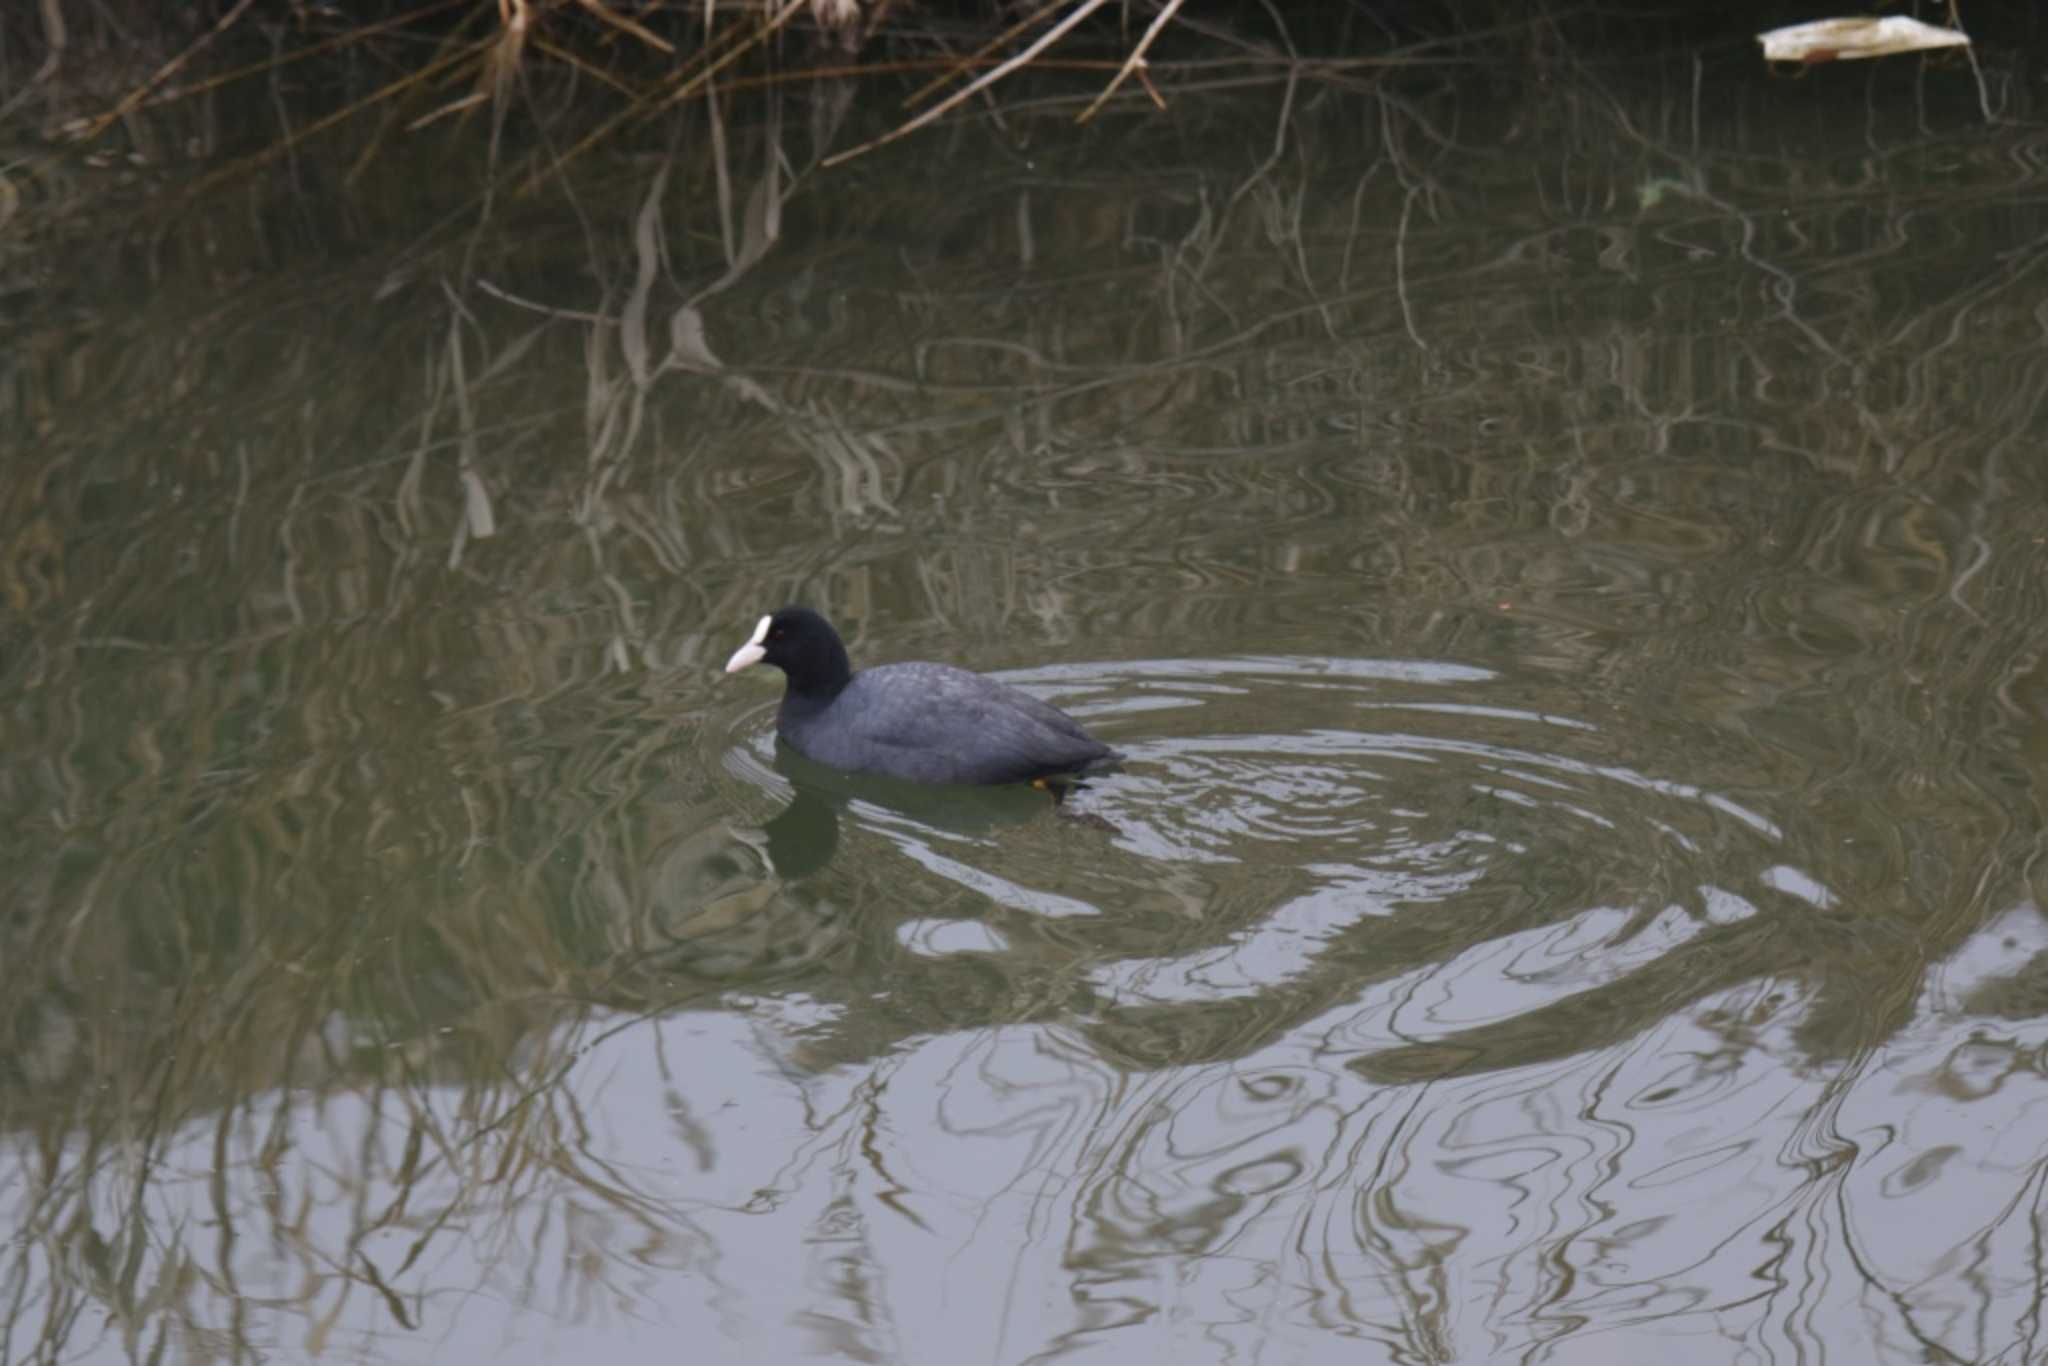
pixel 928 723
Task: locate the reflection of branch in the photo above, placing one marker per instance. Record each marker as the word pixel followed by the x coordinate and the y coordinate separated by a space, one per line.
pixel 1391 142
pixel 391 1300
pixel 1720 958
pixel 1401 272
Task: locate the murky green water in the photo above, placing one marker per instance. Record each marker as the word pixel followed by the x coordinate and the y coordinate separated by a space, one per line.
pixel 1569 580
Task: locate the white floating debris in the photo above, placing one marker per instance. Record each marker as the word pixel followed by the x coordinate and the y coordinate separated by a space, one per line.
pixel 1841 40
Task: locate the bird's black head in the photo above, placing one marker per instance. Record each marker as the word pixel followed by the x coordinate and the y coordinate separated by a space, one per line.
pixel 803 645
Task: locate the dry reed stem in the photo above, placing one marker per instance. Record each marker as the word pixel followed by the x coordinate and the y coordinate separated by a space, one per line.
pixel 577 61
pixel 339 116
pixel 647 107
pixel 134 98
pixel 958 97
pixel 981 55
pixel 628 25
pixel 520 35
pixel 760 36
pixel 501 64
pixel 314 49
pixel 1135 63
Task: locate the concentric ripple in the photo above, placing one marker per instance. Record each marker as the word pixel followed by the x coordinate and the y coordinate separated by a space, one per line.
pixel 1291 824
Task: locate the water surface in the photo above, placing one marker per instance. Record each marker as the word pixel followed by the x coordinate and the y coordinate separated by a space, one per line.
pixel 1572 596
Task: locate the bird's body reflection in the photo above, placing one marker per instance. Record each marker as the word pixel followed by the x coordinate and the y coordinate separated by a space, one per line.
pixel 803 837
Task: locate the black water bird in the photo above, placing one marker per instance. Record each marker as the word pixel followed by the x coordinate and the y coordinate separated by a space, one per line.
pixel 927 723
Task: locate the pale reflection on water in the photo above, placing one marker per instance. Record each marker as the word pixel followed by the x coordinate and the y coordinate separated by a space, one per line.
pixel 996 1193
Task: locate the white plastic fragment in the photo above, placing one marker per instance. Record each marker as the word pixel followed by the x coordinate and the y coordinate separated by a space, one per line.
pixel 1841 40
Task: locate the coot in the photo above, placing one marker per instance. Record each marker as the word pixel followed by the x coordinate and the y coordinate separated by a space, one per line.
pixel 928 723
